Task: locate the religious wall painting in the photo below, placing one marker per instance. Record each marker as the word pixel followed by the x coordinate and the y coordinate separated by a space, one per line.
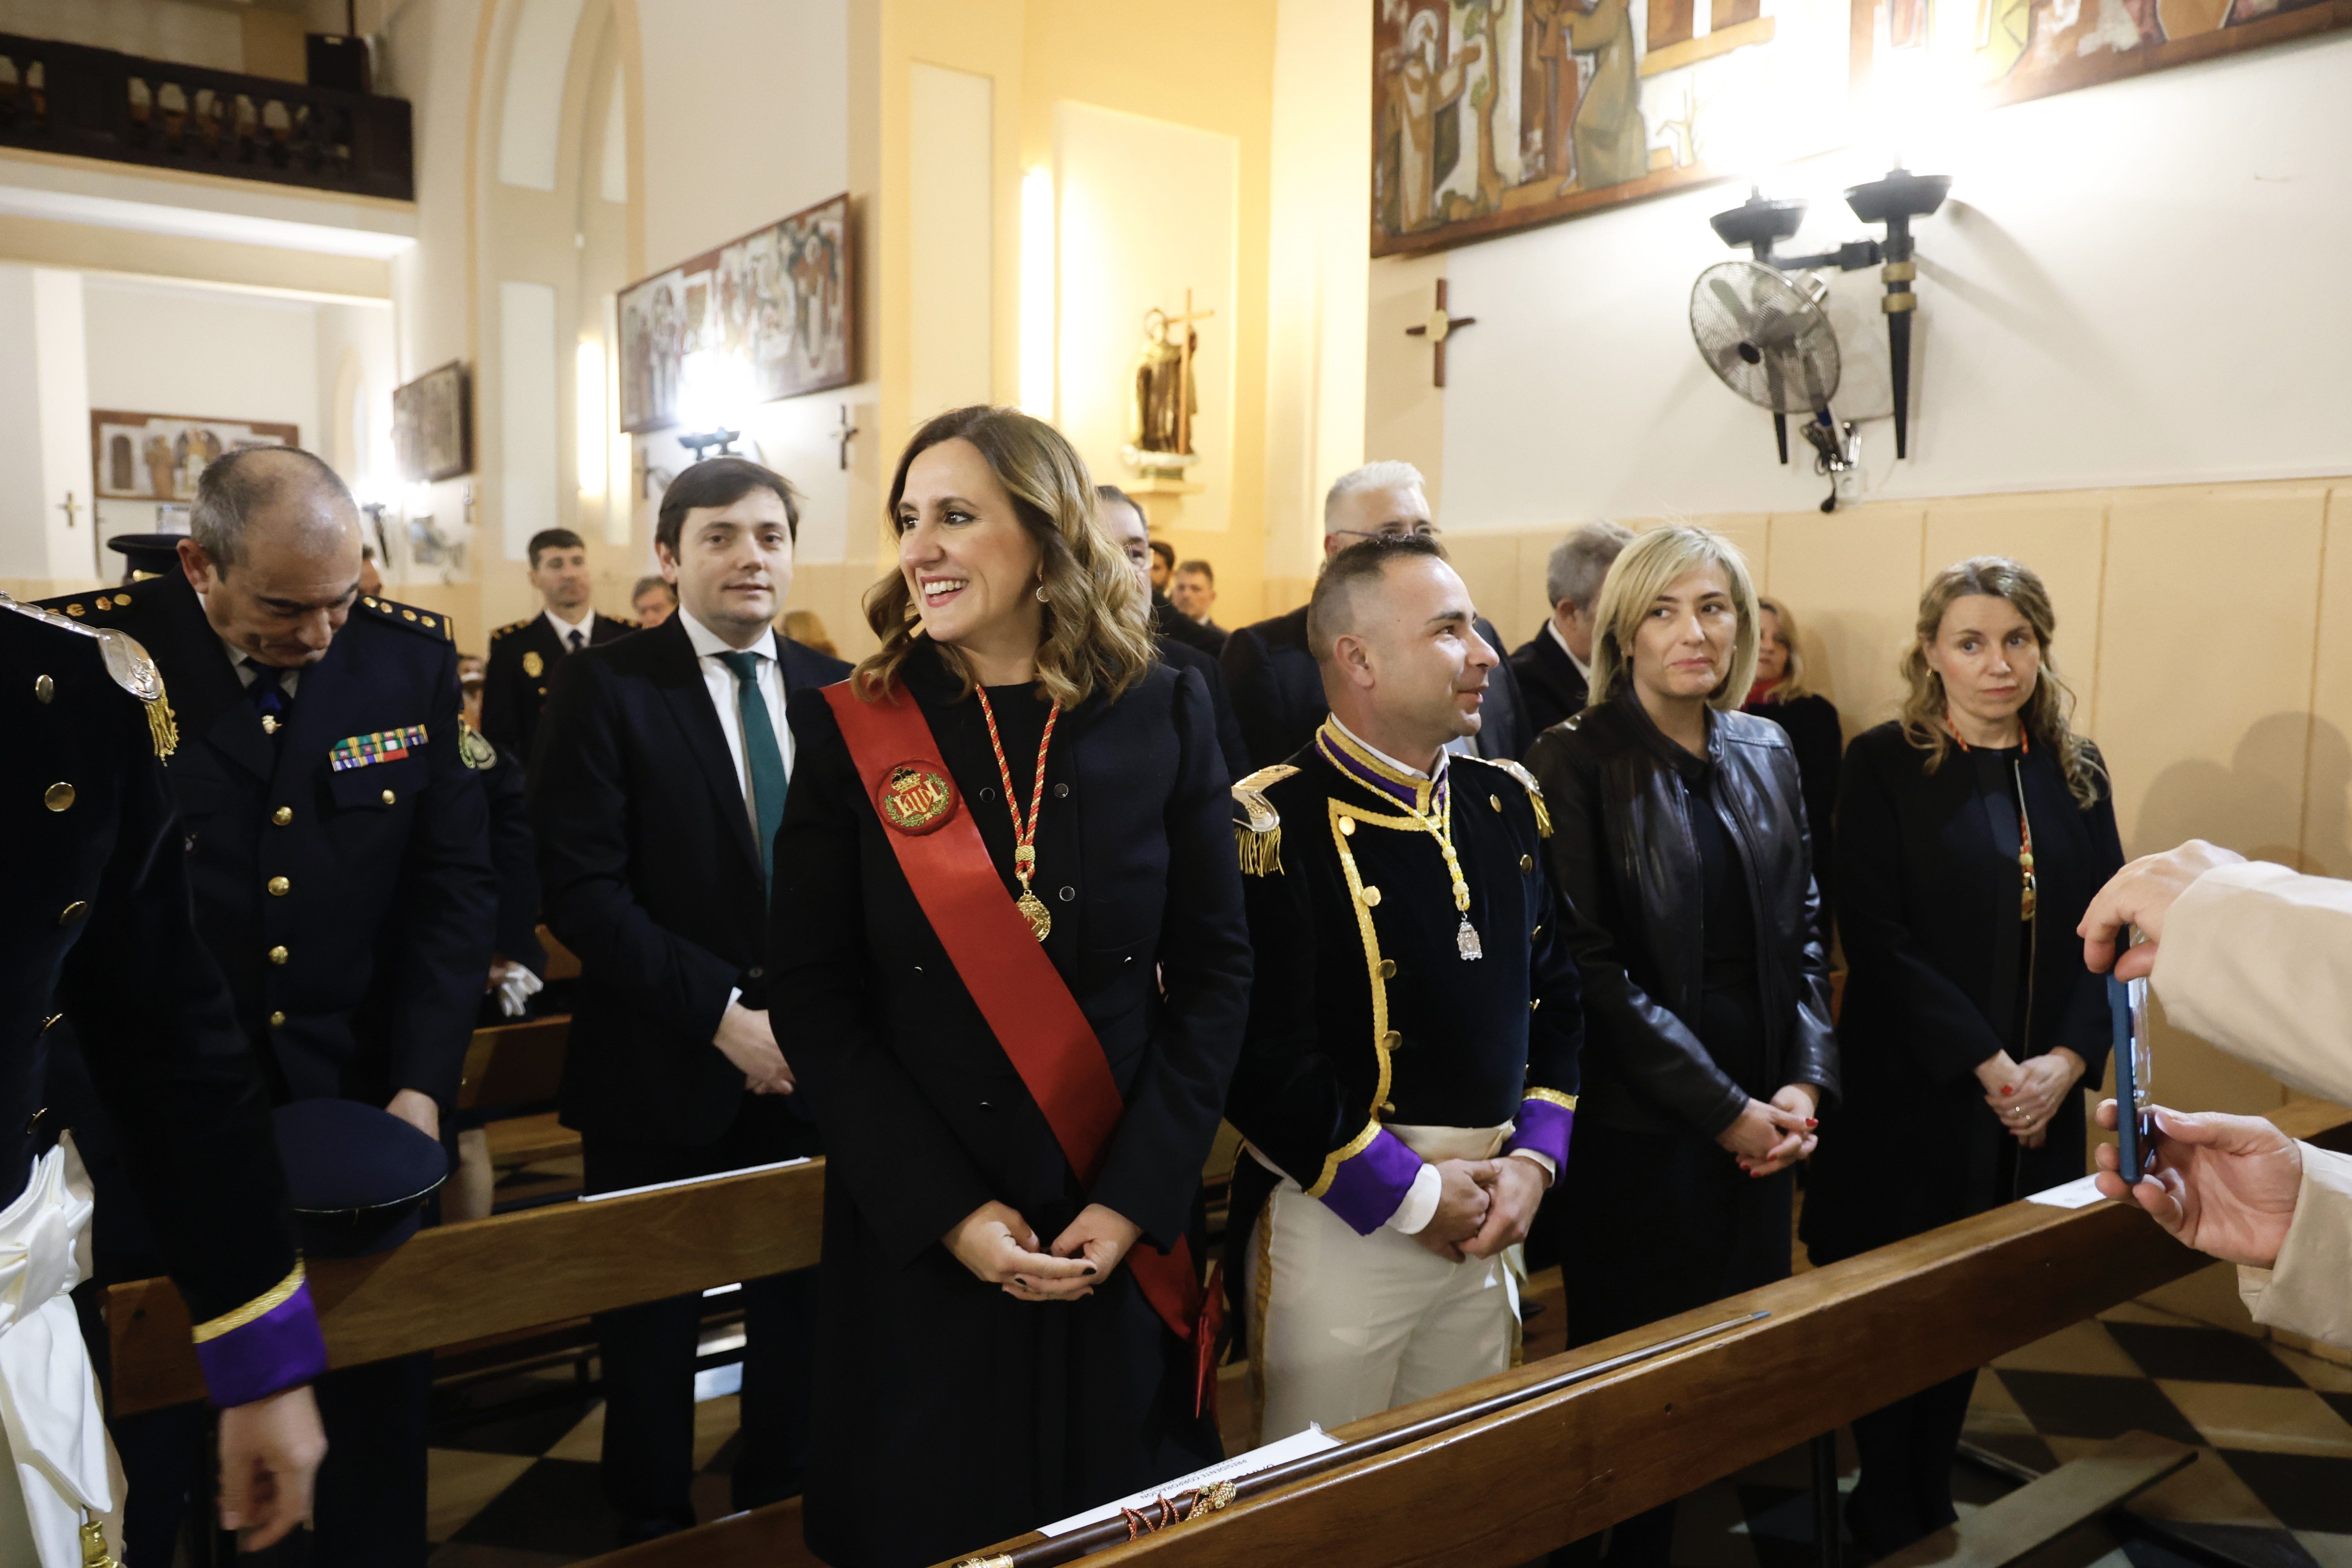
pixel 433 424
pixel 773 314
pixel 1490 116
pixel 158 456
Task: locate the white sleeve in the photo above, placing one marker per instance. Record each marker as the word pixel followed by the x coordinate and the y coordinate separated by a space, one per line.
pixel 2258 960
pixel 2306 1292
pixel 1420 1205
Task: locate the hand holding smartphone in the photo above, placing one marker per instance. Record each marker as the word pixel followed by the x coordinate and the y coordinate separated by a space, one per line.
pixel 2135 1124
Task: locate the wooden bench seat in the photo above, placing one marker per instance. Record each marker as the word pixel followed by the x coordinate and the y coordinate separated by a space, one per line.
pixel 527 1140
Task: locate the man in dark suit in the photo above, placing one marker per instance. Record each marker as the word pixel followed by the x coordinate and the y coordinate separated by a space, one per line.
pixel 1116 515
pixel 659 784
pixel 1276 685
pixel 523 656
pixel 337 842
pixel 1193 592
pixel 1555 666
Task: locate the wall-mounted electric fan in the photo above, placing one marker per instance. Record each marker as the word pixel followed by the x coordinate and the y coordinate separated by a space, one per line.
pixel 1765 334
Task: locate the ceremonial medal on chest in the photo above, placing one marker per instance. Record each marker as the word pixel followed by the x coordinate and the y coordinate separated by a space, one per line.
pixel 1465 935
pixel 1025 832
pixel 532 665
pixel 914 799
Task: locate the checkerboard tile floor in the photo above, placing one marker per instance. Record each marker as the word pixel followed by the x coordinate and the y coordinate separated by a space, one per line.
pixel 2271 1486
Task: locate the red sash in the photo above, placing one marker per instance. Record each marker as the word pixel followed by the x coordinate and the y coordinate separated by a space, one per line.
pixel 1020 993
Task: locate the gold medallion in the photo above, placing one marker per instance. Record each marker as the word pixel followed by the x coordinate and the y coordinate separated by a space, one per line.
pixel 915 799
pixel 1033 909
pixel 474 750
pixel 532 665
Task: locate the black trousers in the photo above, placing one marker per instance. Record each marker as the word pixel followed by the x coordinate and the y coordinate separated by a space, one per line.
pixel 648 1351
pixel 1907 1450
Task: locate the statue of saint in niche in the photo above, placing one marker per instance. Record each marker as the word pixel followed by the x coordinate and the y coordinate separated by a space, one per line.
pixel 1160 419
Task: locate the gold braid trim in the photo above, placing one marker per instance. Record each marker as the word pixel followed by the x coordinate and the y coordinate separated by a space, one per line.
pixel 1341 1155
pixel 1552 1097
pixel 1260 852
pixel 1535 792
pixel 163 729
pixel 1257 835
pixel 267 1301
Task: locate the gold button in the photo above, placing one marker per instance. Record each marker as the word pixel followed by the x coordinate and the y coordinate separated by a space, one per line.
pixel 72 913
pixel 408 615
pixel 388 798
pixel 1388 1108
pixel 278 1020
pixel 280 887
pixel 1348 826
pixel 277 955
pixel 282 816
pixel 1495 801
pixel 76 610
pixel 1527 862
pixel 1392 1040
pixel 43 687
pixel 431 622
pixel 268 725
pixel 368 602
pixel 1371 898
pixel 1388 969
pixel 58 796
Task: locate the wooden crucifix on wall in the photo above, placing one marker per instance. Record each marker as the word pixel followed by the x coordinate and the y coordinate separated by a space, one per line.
pixel 1437 329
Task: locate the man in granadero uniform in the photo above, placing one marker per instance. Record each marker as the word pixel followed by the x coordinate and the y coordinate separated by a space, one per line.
pixel 1407 1091
pixel 96 924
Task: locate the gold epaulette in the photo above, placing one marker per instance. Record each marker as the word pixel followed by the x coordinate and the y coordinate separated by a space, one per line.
pixel 506 631
pixel 128 664
pixel 1257 826
pixel 1535 792
pixel 425 622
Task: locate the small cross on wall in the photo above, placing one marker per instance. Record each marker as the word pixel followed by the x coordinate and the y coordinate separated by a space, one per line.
pixel 1437 329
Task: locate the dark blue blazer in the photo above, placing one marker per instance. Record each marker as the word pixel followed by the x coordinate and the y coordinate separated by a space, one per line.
pixel 650 872
pixel 362 976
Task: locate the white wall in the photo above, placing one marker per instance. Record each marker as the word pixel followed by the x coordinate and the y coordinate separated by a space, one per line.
pixel 2130 285
pixel 193 35
pixel 157 348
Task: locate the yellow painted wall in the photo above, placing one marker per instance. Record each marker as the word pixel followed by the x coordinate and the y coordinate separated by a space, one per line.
pixel 2207 632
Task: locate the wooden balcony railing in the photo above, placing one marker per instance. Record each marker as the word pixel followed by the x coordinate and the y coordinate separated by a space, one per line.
pixel 95 103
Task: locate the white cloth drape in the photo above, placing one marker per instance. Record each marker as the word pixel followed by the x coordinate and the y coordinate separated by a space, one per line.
pixel 49 1394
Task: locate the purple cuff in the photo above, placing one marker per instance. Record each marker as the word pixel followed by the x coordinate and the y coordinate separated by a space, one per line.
pixel 1370 1183
pixel 1543 1128
pixel 276 1351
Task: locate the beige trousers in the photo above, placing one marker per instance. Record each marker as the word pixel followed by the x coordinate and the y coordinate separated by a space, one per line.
pixel 1344 1326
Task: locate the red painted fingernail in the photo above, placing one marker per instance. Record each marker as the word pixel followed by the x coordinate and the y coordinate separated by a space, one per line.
pixel 2007 1088
pixel 1810 1122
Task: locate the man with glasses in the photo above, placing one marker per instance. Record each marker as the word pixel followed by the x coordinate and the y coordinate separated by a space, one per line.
pixel 1274 683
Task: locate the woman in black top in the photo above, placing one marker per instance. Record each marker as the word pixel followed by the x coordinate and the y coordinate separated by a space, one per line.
pixel 1973 832
pixel 990 1361
pixel 1782 695
pixel 1680 842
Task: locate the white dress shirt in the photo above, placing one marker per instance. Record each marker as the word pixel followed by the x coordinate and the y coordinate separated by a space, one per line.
pixel 585 626
pixel 720 682
pixel 248 673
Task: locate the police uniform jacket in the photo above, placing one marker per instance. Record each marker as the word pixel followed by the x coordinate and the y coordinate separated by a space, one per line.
pixel 95 925
pixel 520 668
pixel 341 869
pixel 1368 1012
pixel 1277 693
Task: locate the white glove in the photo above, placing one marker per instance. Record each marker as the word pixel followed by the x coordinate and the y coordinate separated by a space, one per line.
pixel 515 986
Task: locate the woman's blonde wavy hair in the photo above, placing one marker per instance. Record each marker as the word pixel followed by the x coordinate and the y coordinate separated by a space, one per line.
pixel 1649 565
pixel 1097 631
pixel 1793 683
pixel 2048 714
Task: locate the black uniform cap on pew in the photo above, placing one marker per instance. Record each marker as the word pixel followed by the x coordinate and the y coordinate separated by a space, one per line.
pixel 356 1178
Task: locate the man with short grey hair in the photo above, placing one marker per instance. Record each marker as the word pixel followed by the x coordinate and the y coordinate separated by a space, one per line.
pixel 1271 674
pixel 337 844
pixel 1555 666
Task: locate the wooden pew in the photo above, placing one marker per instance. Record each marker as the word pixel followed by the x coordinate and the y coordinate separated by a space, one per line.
pixel 488 1276
pixel 2042 1510
pixel 526 1140
pixel 1504 1489
pixel 514 1064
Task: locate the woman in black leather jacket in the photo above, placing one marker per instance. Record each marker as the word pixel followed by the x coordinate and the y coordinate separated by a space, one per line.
pixel 1680 842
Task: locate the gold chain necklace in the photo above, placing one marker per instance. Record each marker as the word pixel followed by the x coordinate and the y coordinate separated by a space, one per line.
pixel 1025 834
pixel 1465 936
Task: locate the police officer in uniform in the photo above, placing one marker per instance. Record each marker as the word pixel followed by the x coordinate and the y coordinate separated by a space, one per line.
pixel 336 839
pixel 96 924
pixel 523 656
pixel 1407 1091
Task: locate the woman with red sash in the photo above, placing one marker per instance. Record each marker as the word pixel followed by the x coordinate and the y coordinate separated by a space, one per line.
pixel 1011 970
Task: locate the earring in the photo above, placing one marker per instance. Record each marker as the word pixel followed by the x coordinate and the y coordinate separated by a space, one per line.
pixel 1040 594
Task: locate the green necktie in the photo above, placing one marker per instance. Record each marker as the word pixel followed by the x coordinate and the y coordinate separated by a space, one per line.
pixel 766 757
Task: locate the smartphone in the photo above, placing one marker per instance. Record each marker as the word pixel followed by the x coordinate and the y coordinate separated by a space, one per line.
pixel 2135 1124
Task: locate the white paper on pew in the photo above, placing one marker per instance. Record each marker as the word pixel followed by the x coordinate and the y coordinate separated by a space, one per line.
pixel 690 1181
pixel 2080 1193
pixel 1314 1440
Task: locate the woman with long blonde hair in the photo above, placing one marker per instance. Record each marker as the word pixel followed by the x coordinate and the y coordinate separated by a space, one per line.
pixel 1679 840
pixel 1783 693
pixel 1973 831
pixel 1008 933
